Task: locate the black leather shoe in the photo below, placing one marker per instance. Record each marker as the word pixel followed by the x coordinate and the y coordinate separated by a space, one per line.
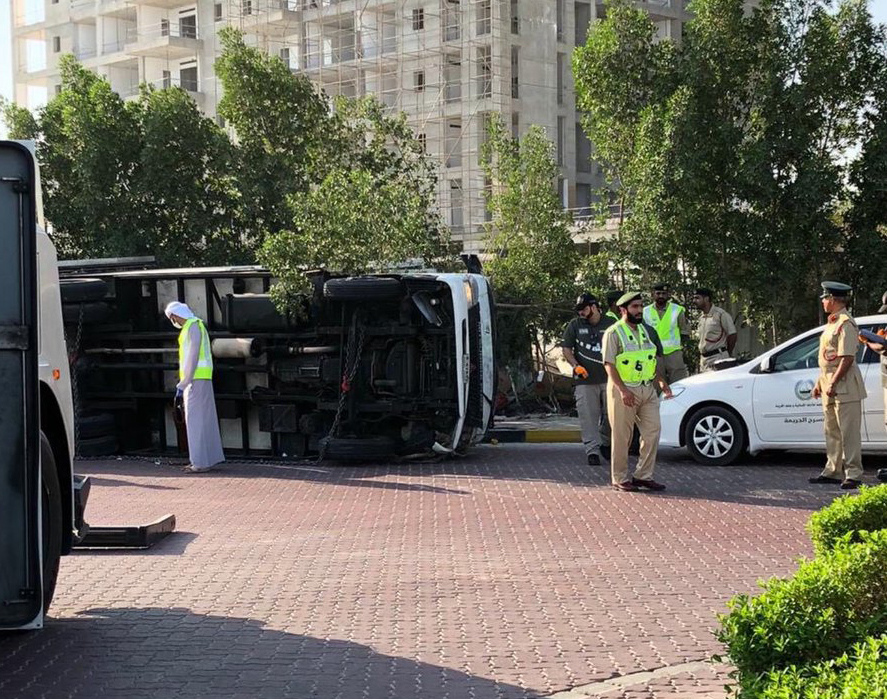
pixel 824 480
pixel 648 484
pixel 850 484
pixel 628 487
pixel 594 460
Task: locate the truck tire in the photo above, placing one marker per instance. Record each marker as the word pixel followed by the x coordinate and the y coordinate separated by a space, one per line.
pixel 99 425
pixel 97 446
pixel 51 506
pixel 362 289
pixel 358 448
pixel 82 290
pixel 92 312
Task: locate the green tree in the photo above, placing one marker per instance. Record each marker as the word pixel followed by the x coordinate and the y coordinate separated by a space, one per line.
pixel 373 203
pixel 732 154
pixel 150 176
pixel 282 126
pixel 533 267
pixel 184 188
pixel 88 147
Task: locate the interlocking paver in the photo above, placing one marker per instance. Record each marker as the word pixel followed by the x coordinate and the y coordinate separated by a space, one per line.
pixel 513 573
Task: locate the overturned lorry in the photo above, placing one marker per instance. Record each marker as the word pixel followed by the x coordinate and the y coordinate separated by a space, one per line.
pixel 372 367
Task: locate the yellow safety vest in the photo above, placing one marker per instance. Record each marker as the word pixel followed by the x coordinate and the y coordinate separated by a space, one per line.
pixel 204 368
pixel 666 326
pixel 636 363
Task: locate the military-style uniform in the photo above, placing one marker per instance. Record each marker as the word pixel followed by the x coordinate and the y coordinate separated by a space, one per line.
pixel 714 329
pixel 670 326
pixel 633 353
pixel 843 411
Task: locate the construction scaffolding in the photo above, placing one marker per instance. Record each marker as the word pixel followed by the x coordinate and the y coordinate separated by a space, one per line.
pixel 434 65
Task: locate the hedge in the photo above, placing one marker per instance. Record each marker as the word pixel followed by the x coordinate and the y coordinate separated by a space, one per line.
pixel 832 602
pixel 859 674
pixel 850 514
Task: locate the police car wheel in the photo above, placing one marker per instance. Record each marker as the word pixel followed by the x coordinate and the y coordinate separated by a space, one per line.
pixel 714 436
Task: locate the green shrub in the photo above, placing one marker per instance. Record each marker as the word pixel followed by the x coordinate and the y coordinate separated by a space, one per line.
pixel 833 601
pixel 850 514
pixel 859 674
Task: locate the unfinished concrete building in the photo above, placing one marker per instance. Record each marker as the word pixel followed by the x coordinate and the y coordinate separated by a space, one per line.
pixel 448 64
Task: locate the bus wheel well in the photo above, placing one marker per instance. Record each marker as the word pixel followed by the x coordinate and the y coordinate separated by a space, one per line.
pixel 53 426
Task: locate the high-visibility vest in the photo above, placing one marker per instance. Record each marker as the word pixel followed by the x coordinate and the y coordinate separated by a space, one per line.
pixel 204 368
pixel 636 363
pixel 666 326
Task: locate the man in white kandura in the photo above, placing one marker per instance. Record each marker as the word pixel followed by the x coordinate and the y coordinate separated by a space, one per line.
pixel 195 387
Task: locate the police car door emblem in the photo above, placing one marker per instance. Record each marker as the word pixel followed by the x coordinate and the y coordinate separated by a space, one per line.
pixel 804 389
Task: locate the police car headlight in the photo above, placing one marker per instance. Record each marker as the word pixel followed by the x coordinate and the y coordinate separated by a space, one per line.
pixel 677 390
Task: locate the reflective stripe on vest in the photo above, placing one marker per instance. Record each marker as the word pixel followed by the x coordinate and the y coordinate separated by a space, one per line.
pixel 666 326
pixel 204 368
pixel 637 361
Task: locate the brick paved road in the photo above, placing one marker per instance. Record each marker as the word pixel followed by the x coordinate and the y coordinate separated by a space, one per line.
pixel 513 573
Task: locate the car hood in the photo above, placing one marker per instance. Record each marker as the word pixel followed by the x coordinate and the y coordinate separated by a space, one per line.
pixel 711 377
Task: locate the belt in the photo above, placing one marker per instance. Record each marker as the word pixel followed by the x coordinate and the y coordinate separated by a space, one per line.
pixel 640 384
pixel 712 353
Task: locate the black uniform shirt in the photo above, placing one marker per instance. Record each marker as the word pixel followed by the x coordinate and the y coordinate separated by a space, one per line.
pixel 584 339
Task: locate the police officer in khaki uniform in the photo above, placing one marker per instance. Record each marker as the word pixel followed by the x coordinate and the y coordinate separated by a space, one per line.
pixel 842 390
pixel 717 333
pixel 630 359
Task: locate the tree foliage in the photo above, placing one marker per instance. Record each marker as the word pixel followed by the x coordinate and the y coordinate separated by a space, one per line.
pixel 348 189
pixel 131 178
pixel 281 124
pixel 733 150
pixel 534 259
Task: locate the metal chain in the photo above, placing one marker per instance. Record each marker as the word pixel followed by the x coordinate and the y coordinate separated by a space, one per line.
pixel 75 392
pixel 347 379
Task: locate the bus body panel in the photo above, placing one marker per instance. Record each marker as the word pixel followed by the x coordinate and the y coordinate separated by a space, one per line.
pixel 20 552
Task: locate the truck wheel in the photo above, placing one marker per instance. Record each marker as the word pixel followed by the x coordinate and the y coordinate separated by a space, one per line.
pixel 358 448
pixel 99 425
pixel 51 507
pixel 362 289
pixel 82 290
pixel 98 446
pixel 714 436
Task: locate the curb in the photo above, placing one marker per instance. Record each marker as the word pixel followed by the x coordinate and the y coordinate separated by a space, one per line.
pixel 507 435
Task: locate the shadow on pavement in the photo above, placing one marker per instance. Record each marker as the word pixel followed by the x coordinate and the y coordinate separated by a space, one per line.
pixel 772 479
pixel 133 653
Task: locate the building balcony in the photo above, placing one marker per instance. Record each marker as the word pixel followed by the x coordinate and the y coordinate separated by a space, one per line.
pixel 270 17
pixel 110 54
pixel 591 225
pixel 657 9
pixel 122 9
pixel 165 40
pixel 192 87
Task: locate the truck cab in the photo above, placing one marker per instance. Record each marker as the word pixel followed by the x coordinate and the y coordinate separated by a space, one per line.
pixel 38 516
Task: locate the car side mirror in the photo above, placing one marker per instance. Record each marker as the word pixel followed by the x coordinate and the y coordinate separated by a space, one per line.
pixel 767 364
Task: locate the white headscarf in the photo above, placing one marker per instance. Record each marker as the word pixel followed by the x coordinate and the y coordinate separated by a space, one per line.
pixel 180 309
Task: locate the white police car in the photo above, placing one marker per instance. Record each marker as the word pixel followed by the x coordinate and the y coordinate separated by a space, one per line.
pixel 767 403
